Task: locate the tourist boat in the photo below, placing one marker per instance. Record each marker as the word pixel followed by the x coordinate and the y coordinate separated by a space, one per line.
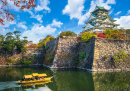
pixel 34 78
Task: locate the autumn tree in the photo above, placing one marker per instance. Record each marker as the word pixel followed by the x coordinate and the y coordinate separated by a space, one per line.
pixel 4 8
pixel 42 42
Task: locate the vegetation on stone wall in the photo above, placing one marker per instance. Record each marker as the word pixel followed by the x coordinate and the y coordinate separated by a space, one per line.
pixel 86 36
pixel 120 57
pixel 82 55
pixel 105 57
pixel 26 62
pixel 114 34
pixel 48 60
pixel 68 33
pixel 76 60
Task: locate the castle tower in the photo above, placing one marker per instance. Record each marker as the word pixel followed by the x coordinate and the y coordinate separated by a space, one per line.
pixel 99 21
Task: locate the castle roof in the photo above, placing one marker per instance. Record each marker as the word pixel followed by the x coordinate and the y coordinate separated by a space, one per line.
pixel 100 7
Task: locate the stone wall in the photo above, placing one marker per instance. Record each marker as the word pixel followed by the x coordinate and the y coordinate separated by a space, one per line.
pixel 88 48
pixel 16 55
pixel 109 47
pixel 67 48
pixel 52 45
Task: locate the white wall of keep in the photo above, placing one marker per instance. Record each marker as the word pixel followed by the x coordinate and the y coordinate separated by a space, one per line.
pixel 91 17
pixel 107 20
pixel 88 27
pixel 105 25
pixel 98 30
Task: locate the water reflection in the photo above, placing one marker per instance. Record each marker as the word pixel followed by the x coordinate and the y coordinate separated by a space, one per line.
pixel 70 80
pixel 114 81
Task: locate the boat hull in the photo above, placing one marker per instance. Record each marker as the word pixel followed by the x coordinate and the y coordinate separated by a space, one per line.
pixel 35 81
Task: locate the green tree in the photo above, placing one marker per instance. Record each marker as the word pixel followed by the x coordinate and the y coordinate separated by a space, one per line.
pixel 128 31
pixel 9 36
pixel 16 33
pixel 68 33
pixel 2 37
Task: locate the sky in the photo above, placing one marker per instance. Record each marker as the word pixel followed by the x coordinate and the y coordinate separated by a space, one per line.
pixel 51 17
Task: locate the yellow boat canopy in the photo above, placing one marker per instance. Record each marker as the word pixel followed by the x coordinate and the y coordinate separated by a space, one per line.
pixel 35 74
pixel 28 76
pixel 41 75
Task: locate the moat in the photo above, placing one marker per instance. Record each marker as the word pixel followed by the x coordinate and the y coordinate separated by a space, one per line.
pixel 66 80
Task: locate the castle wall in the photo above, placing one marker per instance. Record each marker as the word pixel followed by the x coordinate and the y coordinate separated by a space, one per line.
pixel 109 47
pixel 69 47
pixel 66 50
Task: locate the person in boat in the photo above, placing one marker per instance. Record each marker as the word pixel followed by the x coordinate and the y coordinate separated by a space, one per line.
pixel 23 79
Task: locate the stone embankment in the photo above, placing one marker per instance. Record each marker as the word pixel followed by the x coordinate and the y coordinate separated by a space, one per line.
pixel 16 56
pixel 69 49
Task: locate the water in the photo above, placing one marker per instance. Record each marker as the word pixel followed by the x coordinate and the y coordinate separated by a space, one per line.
pixel 65 80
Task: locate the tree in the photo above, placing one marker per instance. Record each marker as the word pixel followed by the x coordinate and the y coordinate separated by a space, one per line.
pixel 68 33
pixel 9 36
pixel 2 37
pixel 16 33
pixel 86 36
pixel 42 42
pixel 25 37
pixel 4 12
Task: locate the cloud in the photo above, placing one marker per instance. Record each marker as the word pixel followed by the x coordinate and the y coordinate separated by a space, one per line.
pixel 124 22
pixel 43 5
pixel 38 17
pixel 56 24
pixel 128 12
pixel 111 11
pixel 22 25
pixel 117 13
pixel 12 6
pixel 3 31
pixel 38 31
pixel 74 8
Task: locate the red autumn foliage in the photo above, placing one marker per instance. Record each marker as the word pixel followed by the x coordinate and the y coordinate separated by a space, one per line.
pixel 102 35
pixel 118 36
pixel 4 9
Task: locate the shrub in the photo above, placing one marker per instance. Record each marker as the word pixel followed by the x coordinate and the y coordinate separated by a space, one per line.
pixel 23 59
pixel 102 35
pixel 34 55
pixel 31 58
pixel 128 31
pixel 117 36
pixel 87 35
pixel 51 58
pixel 68 33
pixel 83 55
pixel 76 60
pixel 9 63
pixel 9 60
pixel 122 54
pixel 115 58
pixel 110 31
pixel 26 62
pixel 105 57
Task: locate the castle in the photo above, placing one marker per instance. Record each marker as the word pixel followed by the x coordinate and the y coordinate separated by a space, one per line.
pixel 100 20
